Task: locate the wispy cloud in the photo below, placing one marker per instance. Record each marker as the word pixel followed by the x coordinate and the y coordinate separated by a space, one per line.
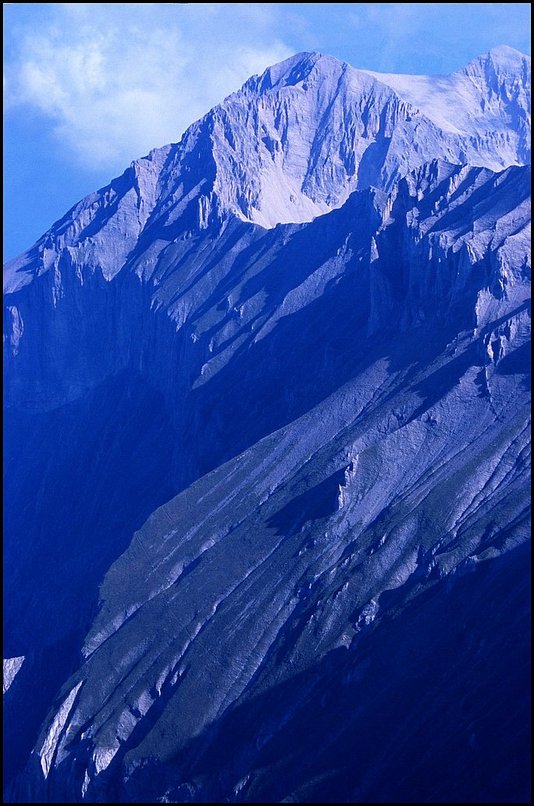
pixel 118 79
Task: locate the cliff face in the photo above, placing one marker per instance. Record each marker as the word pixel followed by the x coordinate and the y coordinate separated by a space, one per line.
pixel 316 429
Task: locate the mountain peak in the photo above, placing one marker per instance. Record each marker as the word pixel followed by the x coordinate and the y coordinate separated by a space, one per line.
pixel 295 142
pixel 503 58
pixel 295 70
pixel 506 53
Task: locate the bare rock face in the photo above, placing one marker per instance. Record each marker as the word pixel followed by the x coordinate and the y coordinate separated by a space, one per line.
pixel 267 455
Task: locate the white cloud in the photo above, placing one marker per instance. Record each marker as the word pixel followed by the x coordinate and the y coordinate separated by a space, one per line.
pixel 116 79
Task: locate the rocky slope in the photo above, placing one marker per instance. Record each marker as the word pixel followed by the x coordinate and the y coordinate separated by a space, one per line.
pixel 290 354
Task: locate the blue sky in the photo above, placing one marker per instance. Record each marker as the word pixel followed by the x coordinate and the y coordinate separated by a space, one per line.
pixel 88 88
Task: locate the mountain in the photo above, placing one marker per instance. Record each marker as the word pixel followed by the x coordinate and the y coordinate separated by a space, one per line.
pixel 267 455
pixel 290 145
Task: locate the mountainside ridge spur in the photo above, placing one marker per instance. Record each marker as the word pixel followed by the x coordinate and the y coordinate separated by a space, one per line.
pixel 313 428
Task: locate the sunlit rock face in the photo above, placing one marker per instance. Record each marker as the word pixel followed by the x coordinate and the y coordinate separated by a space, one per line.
pixel 267 455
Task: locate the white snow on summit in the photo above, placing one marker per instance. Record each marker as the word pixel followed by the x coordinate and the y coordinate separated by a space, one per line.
pixel 470 101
